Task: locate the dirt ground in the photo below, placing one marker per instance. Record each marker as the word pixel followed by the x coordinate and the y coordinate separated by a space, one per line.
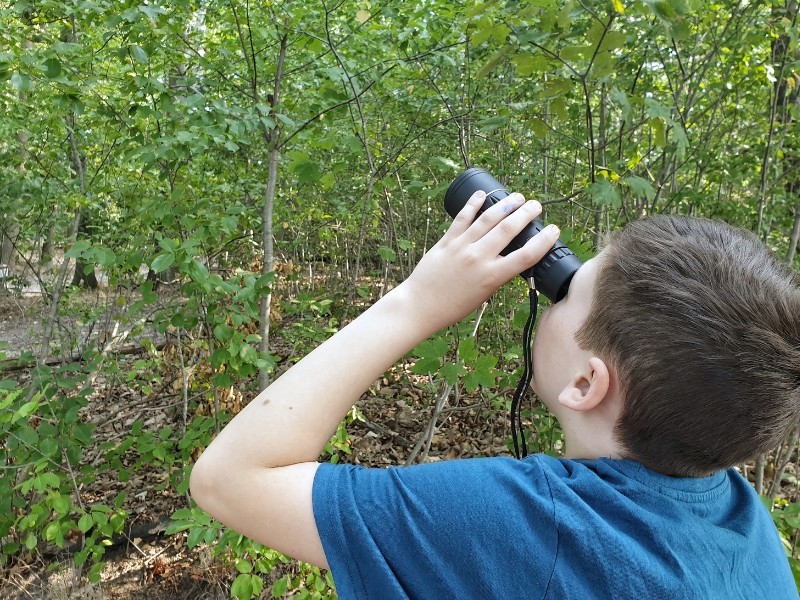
pixel 20 322
pixel 150 565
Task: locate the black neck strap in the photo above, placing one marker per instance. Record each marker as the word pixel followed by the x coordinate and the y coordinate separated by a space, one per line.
pixel 523 387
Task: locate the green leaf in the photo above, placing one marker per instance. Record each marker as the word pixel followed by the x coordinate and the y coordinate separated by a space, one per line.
pixel 195 536
pixel 25 410
pixel 640 187
pixel 257 583
pixel 85 523
pixel 661 9
pixel 242 587
pixel 266 364
pixel 78 249
pixel 48 446
pixel 468 350
pixel 492 123
pixel 51 531
pixel 387 254
pixel 50 479
pixel 557 87
pixel 244 566
pixel 280 586
pixel 198 271
pixel 659 134
pixel 306 169
pixel 222 380
pixel 162 262
pixel 452 371
pixel 285 120
pixel 681 140
pixel 10 548
pixel 486 364
pixel 30 541
pixel 493 61
pixel 104 257
pixel 619 98
pixel 152 11
pixel 83 432
pixel 21 82
pixel 426 365
pixel 433 348
pixel 61 505
pixel 657 110
pixel 613 40
pixel 52 68
pixel 223 332
pixel 95 572
pixel 139 54
pixel 574 53
pixel 248 354
pixel 603 193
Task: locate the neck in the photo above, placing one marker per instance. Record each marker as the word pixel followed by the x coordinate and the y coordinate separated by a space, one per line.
pixel 590 435
pixel 590 445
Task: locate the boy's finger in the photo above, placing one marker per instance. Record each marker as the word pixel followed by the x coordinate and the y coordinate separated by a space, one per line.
pixel 466 215
pixel 485 224
pixel 509 225
pixel 532 252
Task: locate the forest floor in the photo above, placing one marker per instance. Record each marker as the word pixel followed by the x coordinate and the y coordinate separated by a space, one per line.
pixel 146 563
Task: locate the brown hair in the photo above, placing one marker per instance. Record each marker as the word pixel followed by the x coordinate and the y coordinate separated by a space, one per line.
pixel 702 325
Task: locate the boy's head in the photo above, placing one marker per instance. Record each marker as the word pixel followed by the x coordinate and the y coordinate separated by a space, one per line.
pixel 701 324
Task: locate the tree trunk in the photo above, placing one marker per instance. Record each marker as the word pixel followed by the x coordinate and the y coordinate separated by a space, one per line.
pixel 10 230
pixel 273 137
pixel 8 252
pixel 84 272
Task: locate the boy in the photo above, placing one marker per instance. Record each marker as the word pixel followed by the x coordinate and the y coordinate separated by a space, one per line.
pixel 675 355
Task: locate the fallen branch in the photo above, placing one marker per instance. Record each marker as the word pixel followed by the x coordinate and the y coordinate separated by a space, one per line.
pixel 19 364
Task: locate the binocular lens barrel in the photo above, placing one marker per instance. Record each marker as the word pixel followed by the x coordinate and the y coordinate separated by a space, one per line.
pixel 554 272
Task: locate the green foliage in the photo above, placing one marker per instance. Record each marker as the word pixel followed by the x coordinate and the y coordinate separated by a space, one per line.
pixel 477 368
pixel 45 438
pixel 786 516
pixel 309 321
pixel 252 562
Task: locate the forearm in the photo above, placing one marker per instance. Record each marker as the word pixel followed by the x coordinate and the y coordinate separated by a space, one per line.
pixel 293 419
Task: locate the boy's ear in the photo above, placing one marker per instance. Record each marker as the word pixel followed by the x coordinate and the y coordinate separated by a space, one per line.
pixel 588 387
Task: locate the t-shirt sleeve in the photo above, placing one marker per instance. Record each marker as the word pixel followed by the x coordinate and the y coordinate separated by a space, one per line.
pixel 437 530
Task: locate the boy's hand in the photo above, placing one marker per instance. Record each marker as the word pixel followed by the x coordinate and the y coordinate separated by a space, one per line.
pixel 465 267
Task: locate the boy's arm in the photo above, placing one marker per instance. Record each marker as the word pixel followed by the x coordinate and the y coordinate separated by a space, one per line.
pixel 257 475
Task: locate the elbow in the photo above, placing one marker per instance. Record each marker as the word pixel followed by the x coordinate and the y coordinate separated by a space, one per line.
pixel 205 484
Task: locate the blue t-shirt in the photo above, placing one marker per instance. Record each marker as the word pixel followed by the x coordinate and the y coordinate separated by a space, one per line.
pixel 545 528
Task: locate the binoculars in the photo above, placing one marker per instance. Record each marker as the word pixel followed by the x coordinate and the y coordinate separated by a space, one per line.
pixel 552 274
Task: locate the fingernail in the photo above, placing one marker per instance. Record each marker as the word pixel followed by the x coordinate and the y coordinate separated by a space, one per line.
pixel 479 195
pixel 517 198
pixel 534 204
pixel 552 229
